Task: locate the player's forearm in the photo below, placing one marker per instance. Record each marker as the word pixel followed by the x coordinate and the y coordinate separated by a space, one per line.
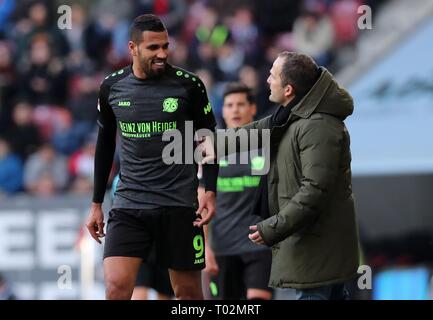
pixel 210 176
pixel 257 132
pixel 104 154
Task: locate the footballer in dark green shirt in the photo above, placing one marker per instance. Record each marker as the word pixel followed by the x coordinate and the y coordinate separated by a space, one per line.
pixel 155 203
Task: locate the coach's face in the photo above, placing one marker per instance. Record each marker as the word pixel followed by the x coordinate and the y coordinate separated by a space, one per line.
pixel 279 94
pixel 152 52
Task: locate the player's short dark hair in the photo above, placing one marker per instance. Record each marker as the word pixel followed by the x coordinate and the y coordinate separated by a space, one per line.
pixel 145 22
pixel 298 70
pixel 239 87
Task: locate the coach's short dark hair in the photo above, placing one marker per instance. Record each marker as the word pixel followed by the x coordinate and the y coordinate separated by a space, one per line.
pixel 145 22
pixel 298 70
pixel 239 87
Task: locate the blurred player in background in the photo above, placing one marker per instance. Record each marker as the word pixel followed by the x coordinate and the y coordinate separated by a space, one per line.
pixel 240 269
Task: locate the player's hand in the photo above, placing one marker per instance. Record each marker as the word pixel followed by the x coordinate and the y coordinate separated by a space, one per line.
pixel 206 203
pixel 95 222
pixel 255 236
pixel 211 264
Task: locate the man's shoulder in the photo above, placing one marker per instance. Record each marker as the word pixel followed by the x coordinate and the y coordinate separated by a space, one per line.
pixel 184 77
pixel 319 119
pixel 319 127
pixel 115 77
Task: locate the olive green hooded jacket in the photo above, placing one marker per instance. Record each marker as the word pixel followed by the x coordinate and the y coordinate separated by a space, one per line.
pixel 312 228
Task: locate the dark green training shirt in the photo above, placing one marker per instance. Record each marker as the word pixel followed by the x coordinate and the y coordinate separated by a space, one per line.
pixel 237 188
pixel 142 110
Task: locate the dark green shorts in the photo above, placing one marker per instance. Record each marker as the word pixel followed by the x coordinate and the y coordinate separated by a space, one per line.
pixel 178 244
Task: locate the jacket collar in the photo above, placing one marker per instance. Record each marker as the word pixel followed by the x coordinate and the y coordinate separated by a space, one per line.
pixel 311 100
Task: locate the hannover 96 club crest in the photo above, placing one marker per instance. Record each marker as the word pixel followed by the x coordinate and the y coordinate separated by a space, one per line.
pixel 169 105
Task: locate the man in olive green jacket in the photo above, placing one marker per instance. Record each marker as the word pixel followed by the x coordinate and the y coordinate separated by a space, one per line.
pixel 312 226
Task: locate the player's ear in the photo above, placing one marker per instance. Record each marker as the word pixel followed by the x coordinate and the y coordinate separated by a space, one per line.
pixel 253 109
pixel 132 48
pixel 224 112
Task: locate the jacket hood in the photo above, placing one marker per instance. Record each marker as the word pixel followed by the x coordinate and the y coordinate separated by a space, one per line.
pixel 326 96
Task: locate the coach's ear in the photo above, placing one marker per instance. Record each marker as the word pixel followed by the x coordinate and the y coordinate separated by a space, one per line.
pixel 132 48
pixel 289 91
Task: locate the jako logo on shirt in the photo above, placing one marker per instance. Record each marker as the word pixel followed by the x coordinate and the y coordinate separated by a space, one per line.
pixel 169 105
pixel 124 103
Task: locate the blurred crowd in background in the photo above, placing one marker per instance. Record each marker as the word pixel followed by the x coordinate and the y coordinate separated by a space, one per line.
pixel 49 78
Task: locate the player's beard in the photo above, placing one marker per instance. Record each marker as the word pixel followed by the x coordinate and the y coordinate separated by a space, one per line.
pixel 146 66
